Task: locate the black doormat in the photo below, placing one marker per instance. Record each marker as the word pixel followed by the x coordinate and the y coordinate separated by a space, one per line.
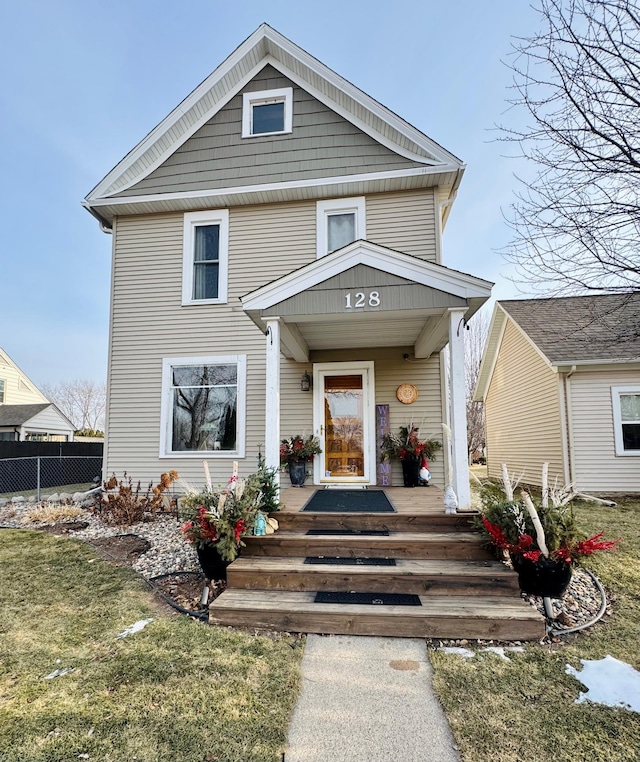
pixel 338 561
pixel 349 501
pixel 379 599
pixel 351 532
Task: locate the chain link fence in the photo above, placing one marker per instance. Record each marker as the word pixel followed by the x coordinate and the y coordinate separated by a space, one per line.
pixel 59 473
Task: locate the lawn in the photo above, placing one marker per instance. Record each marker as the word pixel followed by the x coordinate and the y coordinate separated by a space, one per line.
pixel 524 709
pixel 177 690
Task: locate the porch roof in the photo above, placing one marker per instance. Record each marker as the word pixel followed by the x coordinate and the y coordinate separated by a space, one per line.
pixel 366 295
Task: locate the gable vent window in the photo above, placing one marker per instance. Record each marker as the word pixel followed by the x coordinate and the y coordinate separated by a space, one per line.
pixel 626 419
pixel 267 112
pixel 338 223
pixel 205 254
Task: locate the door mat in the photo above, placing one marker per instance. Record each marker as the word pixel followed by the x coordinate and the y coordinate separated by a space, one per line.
pixel 352 532
pixel 349 501
pixel 379 599
pixel 338 561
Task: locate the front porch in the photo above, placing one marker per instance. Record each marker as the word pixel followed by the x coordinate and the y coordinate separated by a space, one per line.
pixel 364 319
pixel 417 550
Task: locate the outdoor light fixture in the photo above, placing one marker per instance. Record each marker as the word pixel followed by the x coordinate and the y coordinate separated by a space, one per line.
pixel 305 382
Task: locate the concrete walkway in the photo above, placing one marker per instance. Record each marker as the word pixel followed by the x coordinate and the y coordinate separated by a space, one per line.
pixel 368 699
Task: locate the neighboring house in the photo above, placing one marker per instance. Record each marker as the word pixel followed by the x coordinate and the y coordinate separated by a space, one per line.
pixel 25 413
pixel 560 379
pixel 278 269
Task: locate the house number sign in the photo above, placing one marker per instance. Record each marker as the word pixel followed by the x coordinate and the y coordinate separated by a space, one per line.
pixel 362 299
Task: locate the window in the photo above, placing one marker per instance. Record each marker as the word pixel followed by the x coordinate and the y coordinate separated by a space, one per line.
pixel 203 406
pixel 205 257
pixel 1 390
pixel 8 436
pixel 626 419
pixel 43 436
pixel 338 223
pixel 267 112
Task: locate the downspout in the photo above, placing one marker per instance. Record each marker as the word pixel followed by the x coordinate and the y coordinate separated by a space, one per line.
pixel 568 423
pixel 104 228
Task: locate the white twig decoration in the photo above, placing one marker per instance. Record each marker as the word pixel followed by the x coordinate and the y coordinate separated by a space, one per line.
pixel 542 543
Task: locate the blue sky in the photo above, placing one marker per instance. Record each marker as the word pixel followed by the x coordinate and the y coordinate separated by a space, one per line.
pixel 84 82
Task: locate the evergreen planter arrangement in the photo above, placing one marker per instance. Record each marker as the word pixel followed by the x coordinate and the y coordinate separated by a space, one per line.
pixel 295 453
pixel 541 538
pixel 215 521
pixel 412 452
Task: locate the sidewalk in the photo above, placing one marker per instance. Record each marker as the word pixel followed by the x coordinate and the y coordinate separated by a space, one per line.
pixel 367 699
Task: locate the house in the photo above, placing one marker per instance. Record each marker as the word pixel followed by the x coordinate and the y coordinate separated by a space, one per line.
pixel 278 269
pixel 560 380
pixel 25 413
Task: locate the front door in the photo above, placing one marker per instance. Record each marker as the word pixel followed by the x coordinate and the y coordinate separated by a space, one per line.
pixel 344 422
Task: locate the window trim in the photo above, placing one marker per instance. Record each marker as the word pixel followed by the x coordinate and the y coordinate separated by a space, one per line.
pixel 616 392
pixel 166 416
pixel 192 220
pixel 260 98
pixel 325 209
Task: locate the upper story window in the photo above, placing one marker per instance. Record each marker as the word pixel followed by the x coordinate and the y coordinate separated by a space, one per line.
pixel 626 419
pixel 203 406
pixel 339 222
pixel 1 390
pixel 205 257
pixel 267 112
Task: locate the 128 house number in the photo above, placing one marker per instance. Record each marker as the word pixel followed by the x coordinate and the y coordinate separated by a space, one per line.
pixel 360 300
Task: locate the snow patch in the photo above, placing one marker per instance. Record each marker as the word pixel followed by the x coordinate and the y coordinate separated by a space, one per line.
pixel 59 672
pixel 466 653
pixel 500 651
pixel 609 682
pixel 136 627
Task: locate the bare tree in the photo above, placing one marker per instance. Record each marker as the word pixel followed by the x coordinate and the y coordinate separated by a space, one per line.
pixel 475 339
pixel 83 401
pixel 577 221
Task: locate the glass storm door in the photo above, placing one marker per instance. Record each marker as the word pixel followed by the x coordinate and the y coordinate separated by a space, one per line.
pixel 344 414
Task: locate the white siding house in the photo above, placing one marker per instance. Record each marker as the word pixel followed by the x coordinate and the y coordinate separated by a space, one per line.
pixel 25 413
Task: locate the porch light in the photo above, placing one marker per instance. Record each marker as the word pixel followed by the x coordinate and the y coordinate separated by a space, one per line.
pixel 305 382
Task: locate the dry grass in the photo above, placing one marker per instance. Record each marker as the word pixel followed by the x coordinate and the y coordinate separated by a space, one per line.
pixel 51 514
pixel 525 709
pixel 175 691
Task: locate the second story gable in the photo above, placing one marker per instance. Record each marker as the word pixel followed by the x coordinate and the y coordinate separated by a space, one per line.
pixel 272 125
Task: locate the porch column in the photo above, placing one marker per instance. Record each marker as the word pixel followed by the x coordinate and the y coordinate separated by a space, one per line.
pixel 272 398
pixel 458 409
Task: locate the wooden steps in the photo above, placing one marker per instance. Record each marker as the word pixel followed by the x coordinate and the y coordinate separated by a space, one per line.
pixel 416 576
pixel 493 618
pixel 464 592
pixel 458 545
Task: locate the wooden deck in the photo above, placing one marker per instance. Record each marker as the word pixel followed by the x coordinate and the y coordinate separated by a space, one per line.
pixel 464 592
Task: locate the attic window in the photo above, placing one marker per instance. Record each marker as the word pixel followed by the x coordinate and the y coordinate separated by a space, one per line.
pixel 1 390
pixel 267 112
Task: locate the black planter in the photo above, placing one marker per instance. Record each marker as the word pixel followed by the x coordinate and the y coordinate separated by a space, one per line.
pixel 298 473
pixel 547 577
pixel 411 471
pixel 212 564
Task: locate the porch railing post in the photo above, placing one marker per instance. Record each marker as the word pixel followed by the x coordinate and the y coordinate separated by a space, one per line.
pixel 458 409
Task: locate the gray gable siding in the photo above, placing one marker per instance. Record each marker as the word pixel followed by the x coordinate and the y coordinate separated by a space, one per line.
pixel 394 293
pixel 322 144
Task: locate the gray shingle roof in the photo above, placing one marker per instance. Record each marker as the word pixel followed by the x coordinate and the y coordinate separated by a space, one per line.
pixel 581 328
pixel 16 415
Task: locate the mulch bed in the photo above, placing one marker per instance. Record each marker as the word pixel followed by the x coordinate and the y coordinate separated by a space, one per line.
pixel 185 589
pixel 123 548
